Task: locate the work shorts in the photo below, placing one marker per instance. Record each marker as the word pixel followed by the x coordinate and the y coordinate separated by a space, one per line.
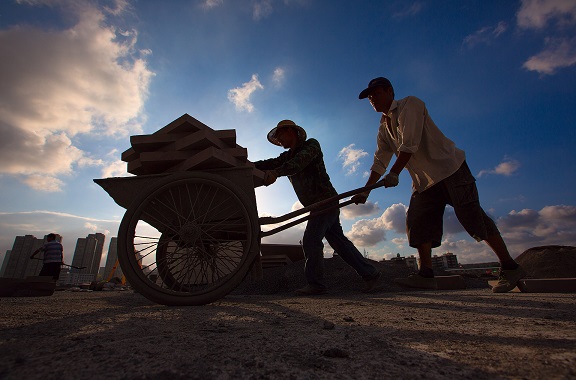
pixel 424 219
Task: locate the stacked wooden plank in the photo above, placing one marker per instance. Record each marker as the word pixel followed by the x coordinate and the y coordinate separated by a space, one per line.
pixel 186 144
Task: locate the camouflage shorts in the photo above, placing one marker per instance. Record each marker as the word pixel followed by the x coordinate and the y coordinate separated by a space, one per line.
pixel 424 220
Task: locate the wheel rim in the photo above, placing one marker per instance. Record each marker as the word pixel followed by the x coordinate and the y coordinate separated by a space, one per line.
pixel 189 237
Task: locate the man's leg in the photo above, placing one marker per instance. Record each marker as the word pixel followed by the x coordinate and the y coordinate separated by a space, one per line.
pixel 348 251
pixel 425 253
pixel 314 251
pixel 463 196
pixel 424 229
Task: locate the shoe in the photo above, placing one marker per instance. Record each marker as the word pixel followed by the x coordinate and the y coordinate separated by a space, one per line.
pixel 371 282
pixel 309 290
pixel 417 281
pixel 508 279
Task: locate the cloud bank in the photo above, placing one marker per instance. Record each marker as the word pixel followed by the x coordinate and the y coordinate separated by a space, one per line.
pixel 58 84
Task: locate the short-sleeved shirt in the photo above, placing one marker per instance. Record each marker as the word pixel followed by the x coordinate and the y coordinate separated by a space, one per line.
pixel 407 127
pixel 304 166
pixel 53 252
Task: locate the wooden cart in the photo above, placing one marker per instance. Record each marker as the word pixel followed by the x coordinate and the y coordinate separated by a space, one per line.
pixel 191 233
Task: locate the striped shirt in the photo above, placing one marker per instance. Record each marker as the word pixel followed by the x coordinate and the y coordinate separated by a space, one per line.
pixel 304 167
pixel 53 252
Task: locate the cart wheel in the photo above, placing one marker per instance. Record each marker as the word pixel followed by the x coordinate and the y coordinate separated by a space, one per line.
pixel 189 239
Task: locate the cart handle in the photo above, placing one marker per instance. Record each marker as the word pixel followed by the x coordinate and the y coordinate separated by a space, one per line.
pixel 66 265
pixel 318 207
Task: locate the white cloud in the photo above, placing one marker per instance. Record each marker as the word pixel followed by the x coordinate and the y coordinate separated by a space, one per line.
pixel 261 9
pixel 556 18
pixel 240 96
pixel 87 79
pixel 485 35
pixel 535 14
pixel 115 169
pixel 369 232
pixel 411 10
pixel 551 225
pixel 209 4
pixel 351 158
pixel 505 168
pixel 278 77
pixel 354 211
pixel 521 230
pixel 394 218
pixel 559 53
pixel 44 183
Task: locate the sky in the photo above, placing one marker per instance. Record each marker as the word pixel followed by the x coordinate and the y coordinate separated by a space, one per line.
pixel 79 77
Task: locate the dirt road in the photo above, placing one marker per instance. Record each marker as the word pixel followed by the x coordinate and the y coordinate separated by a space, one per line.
pixel 465 334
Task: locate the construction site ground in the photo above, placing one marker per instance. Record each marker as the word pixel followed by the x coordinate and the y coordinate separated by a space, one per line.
pixel 462 334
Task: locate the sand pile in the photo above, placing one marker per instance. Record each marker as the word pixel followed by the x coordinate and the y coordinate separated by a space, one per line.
pixel 550 261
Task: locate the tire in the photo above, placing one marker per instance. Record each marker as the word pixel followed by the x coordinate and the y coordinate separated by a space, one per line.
pixel 188 239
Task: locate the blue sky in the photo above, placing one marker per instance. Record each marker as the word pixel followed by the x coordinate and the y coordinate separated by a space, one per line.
pixel 498 77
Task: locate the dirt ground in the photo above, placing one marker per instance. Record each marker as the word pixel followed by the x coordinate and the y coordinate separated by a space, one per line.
pixel 464 334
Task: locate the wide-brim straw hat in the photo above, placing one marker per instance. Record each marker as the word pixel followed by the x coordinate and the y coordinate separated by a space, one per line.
pixel 284 124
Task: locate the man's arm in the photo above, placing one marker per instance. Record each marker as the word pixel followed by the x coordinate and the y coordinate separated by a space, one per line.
pixel 362 197
pixel 400 162
pixel 35 253
pixel 390 179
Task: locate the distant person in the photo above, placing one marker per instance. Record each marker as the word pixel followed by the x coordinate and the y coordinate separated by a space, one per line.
pixel 53 257
pixel 440 176
pixel 303 164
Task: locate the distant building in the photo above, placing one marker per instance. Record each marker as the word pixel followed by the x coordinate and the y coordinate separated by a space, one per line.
pixel 5 262
pixel 112 260
pixel 17 264
pixel 88 254
pixel 447 260
pixel 410 262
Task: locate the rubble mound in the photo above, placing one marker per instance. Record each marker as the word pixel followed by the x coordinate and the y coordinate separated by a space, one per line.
pixel 549 261
pixel 340 278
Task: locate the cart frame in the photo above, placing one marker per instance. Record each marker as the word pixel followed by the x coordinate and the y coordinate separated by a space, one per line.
pixel 189 238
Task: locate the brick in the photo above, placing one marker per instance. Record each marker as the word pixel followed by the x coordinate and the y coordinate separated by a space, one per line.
pixel 209 158
pixel 453 282
pixel 184 124
pixel 149 143
pixel 547 285
pixel 203 139
pixel 129 155
pixel 159 162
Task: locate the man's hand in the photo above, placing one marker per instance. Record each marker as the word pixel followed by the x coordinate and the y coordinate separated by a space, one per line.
pixel 360 198
pixel 269 177
pixel 390 179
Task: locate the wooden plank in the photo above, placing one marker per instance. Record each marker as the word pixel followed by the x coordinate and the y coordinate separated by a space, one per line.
pixel 184 124
pixel 203 139
pixel 209 158
pixel 258 177
pixel 159 162
pixel 149 143
pixel 129 155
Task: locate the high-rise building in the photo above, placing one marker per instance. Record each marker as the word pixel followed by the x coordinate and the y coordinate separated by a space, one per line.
pixel 5 262
pixel 87 254
pixel 112 260
pixel 17 264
